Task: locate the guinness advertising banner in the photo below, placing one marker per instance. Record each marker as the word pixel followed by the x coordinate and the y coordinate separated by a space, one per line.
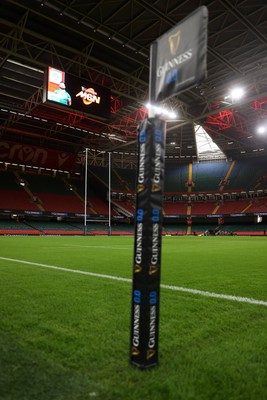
pixel 147 246
pixel 178 58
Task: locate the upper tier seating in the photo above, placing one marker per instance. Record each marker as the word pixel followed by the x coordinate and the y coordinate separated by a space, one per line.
pixel 207 176
pixel 249 174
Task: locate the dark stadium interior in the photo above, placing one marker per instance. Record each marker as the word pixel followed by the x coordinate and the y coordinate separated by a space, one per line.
pixel 108 43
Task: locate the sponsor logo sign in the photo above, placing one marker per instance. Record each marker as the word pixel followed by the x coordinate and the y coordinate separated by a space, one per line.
pixel 178 58
pixel 88 96
pixel 36 156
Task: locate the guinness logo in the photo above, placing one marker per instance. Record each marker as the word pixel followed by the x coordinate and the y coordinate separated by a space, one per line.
pixel 137 268
pixel 155 187
pixel 140 188
pixel 174 41
pixel 153 269
pixel 135 351
pixel 150 353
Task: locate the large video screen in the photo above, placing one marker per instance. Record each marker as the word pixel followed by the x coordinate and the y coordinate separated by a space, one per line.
pixel 76 93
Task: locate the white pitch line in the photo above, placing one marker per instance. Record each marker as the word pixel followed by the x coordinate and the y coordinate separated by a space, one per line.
pixel 98 247
pixel 174 288
pixel 216 295
pixel 77 271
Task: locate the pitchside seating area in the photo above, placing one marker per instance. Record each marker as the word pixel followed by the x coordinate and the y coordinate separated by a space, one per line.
pixel 10 227
pixel 174 229
pixel 37 228
pixel 244 229
pixel 54 227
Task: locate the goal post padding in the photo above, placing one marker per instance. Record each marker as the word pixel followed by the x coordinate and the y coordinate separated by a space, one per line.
pixel 147 243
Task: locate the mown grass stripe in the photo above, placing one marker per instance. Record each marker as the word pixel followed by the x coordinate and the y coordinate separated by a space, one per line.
pixel 174 288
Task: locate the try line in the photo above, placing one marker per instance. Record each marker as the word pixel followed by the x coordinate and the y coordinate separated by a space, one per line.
pixel 117 278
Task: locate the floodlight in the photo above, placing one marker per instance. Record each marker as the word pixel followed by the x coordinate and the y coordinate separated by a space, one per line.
pixel 158 110
pixel 262 129
pixel 172 115
pixel 237 93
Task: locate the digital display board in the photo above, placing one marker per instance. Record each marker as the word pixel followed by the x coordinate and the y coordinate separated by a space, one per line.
pixel 76 93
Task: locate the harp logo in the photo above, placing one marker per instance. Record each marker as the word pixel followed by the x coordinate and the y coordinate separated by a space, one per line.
pixel 174 41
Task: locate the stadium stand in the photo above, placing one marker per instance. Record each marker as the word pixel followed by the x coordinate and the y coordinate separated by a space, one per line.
pixel 202 208
pixel 176 178
pixel 227 188
pixel 126 207
pixel 208 176
pixel 246 229
pixel 16 200
pixel 8 181
pixel 258 206
pixel 101 173
pixel 200 229
pixel 99 205
pixel 247 175
pixel 13 226
pixel 175 208
pixel 174 229
pixel 233 207
pixel 128 177
pixel 46 184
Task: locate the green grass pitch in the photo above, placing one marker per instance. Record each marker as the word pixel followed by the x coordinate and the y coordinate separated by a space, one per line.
pixel 65 335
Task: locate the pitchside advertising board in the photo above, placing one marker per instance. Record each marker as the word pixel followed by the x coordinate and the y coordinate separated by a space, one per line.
pixel 178 61
pixel 76 93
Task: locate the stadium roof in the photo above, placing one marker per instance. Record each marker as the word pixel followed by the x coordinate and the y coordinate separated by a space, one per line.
pixel 107 42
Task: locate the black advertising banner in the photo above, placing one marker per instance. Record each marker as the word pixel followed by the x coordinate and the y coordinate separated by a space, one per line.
pixel 178 58
pixel 147 245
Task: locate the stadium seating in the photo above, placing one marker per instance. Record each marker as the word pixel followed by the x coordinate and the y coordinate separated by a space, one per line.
pixel 258 206
pixel 202 208
pixel 126 205
pixel 128 177
pixel 13 226
pixel 176 208
pixel 233 207
pixel 247 174
pixel 16 200
pixel 207 176
pixel 49 195
pixel 176 178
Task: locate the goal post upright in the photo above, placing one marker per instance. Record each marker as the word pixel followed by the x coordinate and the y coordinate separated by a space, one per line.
pixel 85 191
